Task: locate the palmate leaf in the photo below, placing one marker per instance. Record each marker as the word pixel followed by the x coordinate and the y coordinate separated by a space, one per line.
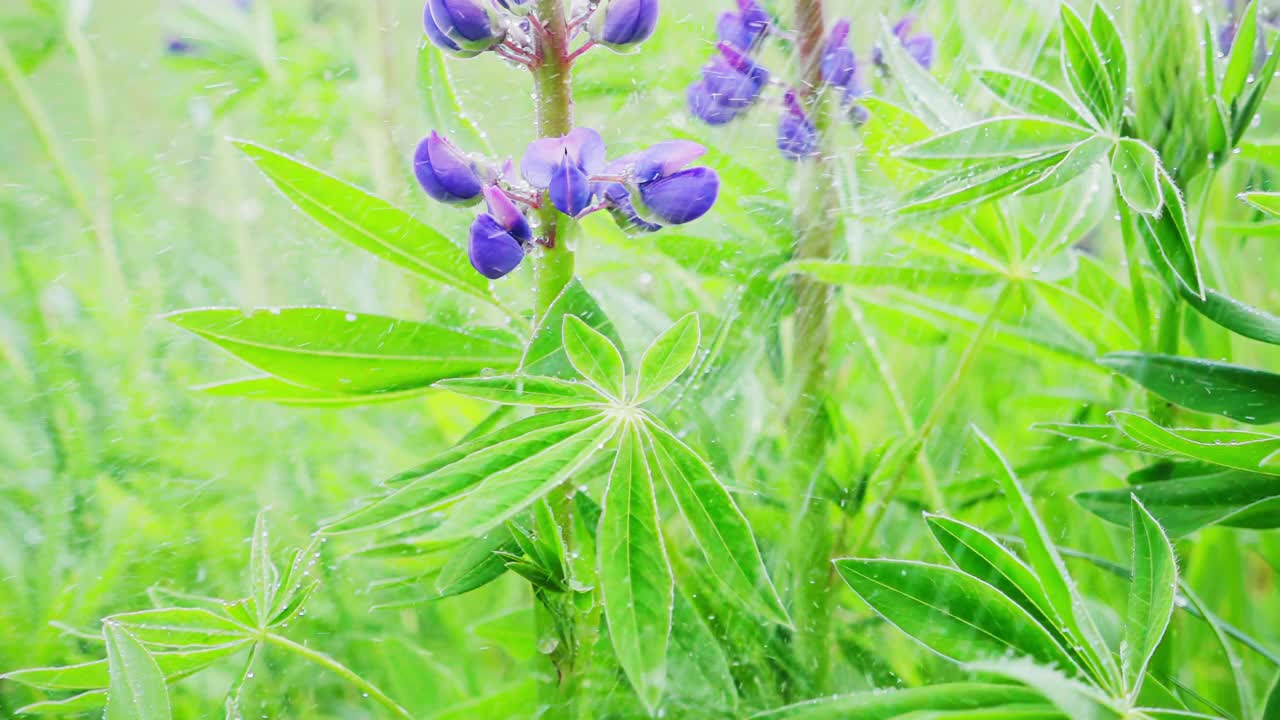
pixel 263 575
pixel 1151 594
pixel 1243 113
pixel 1060 590
pixel 1267 202
pixel 181 627
pixel 932 102
pixel 95 675
pixel 368 222
pixel 1115 60
pixel 719 529
pixel 636 584
pixel 1136 168
pixel 1240 393
pixel 1072 698
pixel 83 703
pixel 594 356
pixel 890 704
pixel 1240 449
pixel 1197 496
pixel 950 612
pixel 1236 316
pixel 275 390
pixel 337 351
pixel 1168 241
pixel 545 353
pixel 137 690
pixel 1085 68
pixel 1241 59
pixel 466 466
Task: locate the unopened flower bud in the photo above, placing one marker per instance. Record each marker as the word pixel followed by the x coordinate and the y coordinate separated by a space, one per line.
pixel 621 25
pixel 445 172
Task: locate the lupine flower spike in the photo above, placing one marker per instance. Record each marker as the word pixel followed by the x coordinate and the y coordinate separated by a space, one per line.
pixel 797 135
pixel 919 46
pixel 745 28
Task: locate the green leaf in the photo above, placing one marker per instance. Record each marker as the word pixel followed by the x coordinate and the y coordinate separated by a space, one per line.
pixel 1084 67
pixel 1240 449
pixel 698 670
pixel 890 704
pixel 86 702
pixel 1168 241
pixel 719 528
pixel 952 613
pixel 1240 393
pixel 1136 168
pixel 263 575
pixel 667 357
pixel 1074 699
pixel 525 442
pixel 1067 604
pixel 996 138
pixel 474 564
pixel 504 494
pixel 1029 95
pixel 594 356
pixel 978 184
pixel 1267 202
pixel 368 222
pixel 181 627
pixel 937 105
pixel 95 675
pixel 1115 59
pixel 838 273
pixel 275 390
pixel 438 94
pixel 1243 54
pixel 1237 317
pixel 635 576
pixel 1151 593
pixel 137 690
pixel 1243 113
pixel 1198 497
pixel 530 390
pixel 343 352
pixel 1272 709
pixel 545 354
pixel 983 557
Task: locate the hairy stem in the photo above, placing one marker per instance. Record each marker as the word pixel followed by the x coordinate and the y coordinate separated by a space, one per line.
pixel 897 464
pixel 816 223
pixel 553 268
pixel 340 670
pixel 47 136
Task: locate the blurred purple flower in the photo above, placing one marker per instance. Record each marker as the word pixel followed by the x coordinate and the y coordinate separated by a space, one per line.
pixel 498 237
pixel 797 135
pixel 744 28
pixel 446 173
pixel 919 46
pixel 731 82
pixel 621 25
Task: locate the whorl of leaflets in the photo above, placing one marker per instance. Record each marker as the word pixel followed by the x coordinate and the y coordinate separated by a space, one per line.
pixel 733 81
pixel 643 191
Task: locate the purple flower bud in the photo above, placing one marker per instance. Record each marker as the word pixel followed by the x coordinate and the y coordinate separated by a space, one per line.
pixel 735 78
pixel 179 46
pixel 493 250
pixel 839 66
pixel 445 172
pixel 582 147
pixel 463 27
pixel 707 106
pixel 745 28
pixel 570 188
pixel 797 136
pixel 621 25
pixel 920 47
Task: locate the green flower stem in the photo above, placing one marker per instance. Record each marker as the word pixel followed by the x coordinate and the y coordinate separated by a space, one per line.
pixel 553 266
pixel 553 269
pixel 816 224
pixel 340 670
pixel 897 464
pixel 47 136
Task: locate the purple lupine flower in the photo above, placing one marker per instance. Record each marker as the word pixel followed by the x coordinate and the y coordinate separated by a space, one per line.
pixel 498 237
pixel 840 69
pixel 744 28
pixel 623 212
pixel 445 172
pixel 621 25
pixel 563 166
pixel 797 135
pixel 920 46
pixel 731 82
pixel 663 190
pixel 176 45
pixel 462 27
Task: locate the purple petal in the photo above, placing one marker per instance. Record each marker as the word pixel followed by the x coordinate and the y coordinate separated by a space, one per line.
pixel 444 172
pixel 435 34
pixel 466 22
pixel 682 197
pixel 920 47
pixel 665 158
pixel 540 160
pixel 493 251
pixel 507 213
pixel 622 23
pixel 707 106
pixel 587 149
pixel 623 212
